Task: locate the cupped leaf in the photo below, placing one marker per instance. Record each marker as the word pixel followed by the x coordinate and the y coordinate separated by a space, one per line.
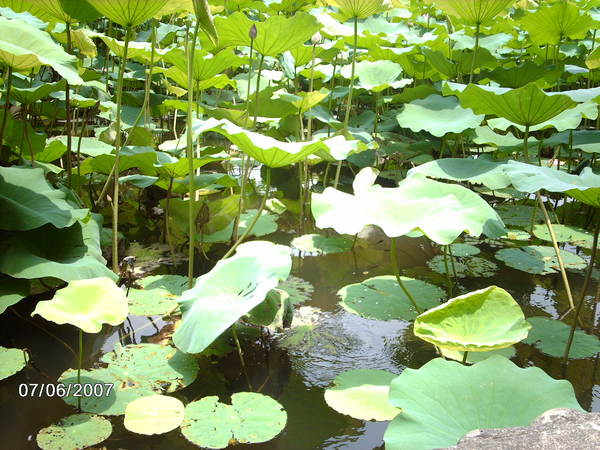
pixel 12 360
pixel 551 336
pixel 361 9
pixel 155 414
pixel 362 394
pixel 128 13
pixel 473 11
pixel 444 400
pixel 229 291
pixel 205 20
pixel 550 24
pixel 539 259
pixel 87 304
pixel 479 321
pixel 24 47
pixel 381 298
pixel 251 418
pixel 69 11
pixel 75 432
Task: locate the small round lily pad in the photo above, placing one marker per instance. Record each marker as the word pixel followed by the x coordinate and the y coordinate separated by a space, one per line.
pixel 156 295
pixel 155 414
pixel 12 360
pixel 75 432
pixel 473 266
pixel 315 244
pixel 519 215
pixel 298 289
pixel 550 336
pixel 251 418
pixel 461 250
pixel 565 233
pixel 362 394
pixel 539 259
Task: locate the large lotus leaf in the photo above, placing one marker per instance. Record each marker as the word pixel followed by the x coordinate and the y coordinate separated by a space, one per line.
pixel 586 140
pixel 28 201
pixel 87 304
pixel 528 105
pixel 475 357
pixel 157 295
pixel 128 13
pixel 28 7
pixel 561 20
pixel 36 92
pixel 438 210
pixel 361 9
pixel 68 11
pixel 229 291
pixel 551 337
pixel 298 289
pixel 155 414
pixel 90 146
pixel 378 75
pixel 143 158
pixel 519 216
pixel 450 117
pixel 539 259
pixel 24 47
pixel 71 253
pixel 139 51
pixel 473 11
pixel 274 36
pixel 381 298
pixel 12 290
pixel 251 418
pixel 74 432
pixel 565 233
pixel 206 65
pixel 12 360
pixel 444 400
pixel 479 321
pixel 362 394
pixel 473 266
pixel 315 244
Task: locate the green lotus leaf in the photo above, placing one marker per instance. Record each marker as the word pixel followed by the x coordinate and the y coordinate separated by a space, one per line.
pixel 551 24
pixel 266 224
pixel 24 47
pixel 539 259
pixel 381 298
pixel 438 210
pixel 128 13
pixel 593 59
pixel 229 291
pixel 519 75
pixel 138 51
pixel 362 394
pixel 315 244
pixel 87 304
pixel 473 11
pixel 155 414
pixel 519 216
pixel 551 336
pixel 206 65
pixel 78 431
pixel 298 289
pixel 134 371
pixel 475 357
pixel 303 101
pixel 565 233
pixel 157 295
pixel 473 266
pixel 461 250
pixel 12 360
pixel 251 418
pixel 25 8
pixel 68 11
pixel 527 106
pixel 444 400
pixel 482 320
pixel 68 254
pixel 12 291
pixel 90 146
pixel 36 92
pixel 450 116
pixel 143 158
pixel 274 36
pixel 361 9
pixel 28 201
pixel 586 140
pixel 379 75
pixel 205 20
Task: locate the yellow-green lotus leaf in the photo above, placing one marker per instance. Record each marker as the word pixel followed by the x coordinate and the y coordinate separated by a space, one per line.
pixel 479 321
pixel 361 9
pixel 128 13
pixel 154 414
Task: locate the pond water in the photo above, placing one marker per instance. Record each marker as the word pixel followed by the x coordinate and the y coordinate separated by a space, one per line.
pixel 295 376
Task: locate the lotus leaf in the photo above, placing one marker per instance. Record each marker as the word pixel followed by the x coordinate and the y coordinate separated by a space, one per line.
pixel 473 266
pixel 12 360
pixel 475 357
pixel 315 244
pixel 74 432
pixel 361 9
pixel 482 320
pixel 229 291
pixel 155 414
pixel 157 295
pixel 378 75
pixel 12 290
pixel 539 259
pixel 298 289
pixel 438 210
pixel 462 250
pixel 519 215
pixel 128 13
pixel 381 298
pixel 473 11
pixel 551 336
pixel 87 304
pixel 565 233
pixel 362 394
pixel 68 11
pixel 551 24
pixel 444 400
pixel 251 418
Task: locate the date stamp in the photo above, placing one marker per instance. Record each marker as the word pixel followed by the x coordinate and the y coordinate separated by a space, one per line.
pixel 65 390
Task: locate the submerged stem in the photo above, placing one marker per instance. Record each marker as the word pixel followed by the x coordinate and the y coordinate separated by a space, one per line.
pixel 393 255
pixel 241 355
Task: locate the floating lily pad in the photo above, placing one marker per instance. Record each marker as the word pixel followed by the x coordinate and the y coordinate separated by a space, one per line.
pixel 298 289
pixel 481 320
pixel 475 357
pixel 565 233
pixel 135 371
pixel 315 244
pixel 157 295
pixel 381 298
pixel 155 414
pixel 444 400
pixel 87 304
pixel 75 432
pixel 362 394
pixel 473 266
pixel 461 250
pixel 539 259
pixel 550 336
pixel 251 418
pixel 517 235
pixel 12 360
pixel 519 215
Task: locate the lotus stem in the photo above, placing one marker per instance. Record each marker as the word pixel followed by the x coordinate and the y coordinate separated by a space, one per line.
pixel 79 365
pixel 300 179
pixel 561 264
pixel 115 206
pixel 234 235
pixel 258 214
pixel 256 96
pixel 464 358
pixel 81 133
pixel 395 268
pixel 241 355
pixel 338 169
pixel 586 282
pixel 68 111
pixel 249 78
pixel 447 268
pixel 6 104
pixel 310 89
pixel 349 103
pixel 477 29
pixel 525 144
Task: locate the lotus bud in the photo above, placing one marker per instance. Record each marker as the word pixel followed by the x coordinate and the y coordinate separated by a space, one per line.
pixel 316 39
pixel 253 32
